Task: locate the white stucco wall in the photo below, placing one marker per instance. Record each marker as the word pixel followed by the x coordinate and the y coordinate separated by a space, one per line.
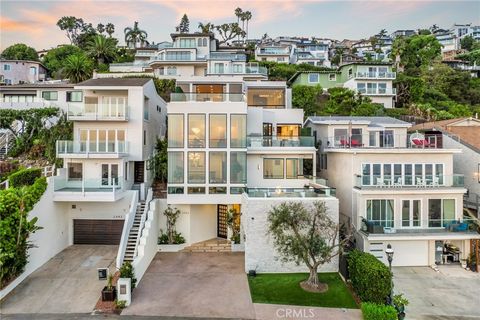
pixel 260 254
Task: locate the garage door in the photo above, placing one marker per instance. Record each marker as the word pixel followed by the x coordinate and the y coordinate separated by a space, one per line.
pixel 406 253
pixel 97 231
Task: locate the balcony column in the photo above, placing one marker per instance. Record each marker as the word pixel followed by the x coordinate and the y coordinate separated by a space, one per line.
pixel 314 173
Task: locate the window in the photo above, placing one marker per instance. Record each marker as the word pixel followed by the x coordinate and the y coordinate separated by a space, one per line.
pixel 313 77
pixel 292 168
pixel 187 43
pixel 196 167
pixel 361 88
pixel 237 68
pixel 196 131
pixel 50 95
pixel 332 77
pixel 175 190
pixel 205 42
pixel 75 171
pixel 387 139
pixel 350 73
pixel 199 42
pixel 411 213
pixel 382 72
pixel 74 96
pixel 267 98
pixel 273 169
pixel 218 131
pixel 144 137
pixel 217 190
pixel 292 130
pixel 171 71
pixel 281 59
pixel 217 167
pixel 196 190
pixel 340 137
pixel 382 88
pixel 146 113
pixel 175 167
pixel 371 88
pixel 33 71
pixel 175 131
pixel 380 212
pixel 237 190
pixel 356 139
pixel 238 131
pixel 238 167
pixel 7 67
pixel 372 139
pixel 440 212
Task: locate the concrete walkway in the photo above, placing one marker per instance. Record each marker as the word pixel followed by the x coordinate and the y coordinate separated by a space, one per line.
pixel 183 284
pixel 278 311
pixel 450 293
pixel 67 283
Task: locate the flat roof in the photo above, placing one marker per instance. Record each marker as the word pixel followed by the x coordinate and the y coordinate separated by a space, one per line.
pixel 114 82
pixel 38 85
pixel 371 121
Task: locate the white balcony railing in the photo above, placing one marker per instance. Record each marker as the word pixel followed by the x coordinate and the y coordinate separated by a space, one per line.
pixel 87 147
pixel 95 111
pixel 375 75
pixel 378 91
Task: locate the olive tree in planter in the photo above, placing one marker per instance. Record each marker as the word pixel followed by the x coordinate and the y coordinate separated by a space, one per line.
pixel 306 235
pixel 109 293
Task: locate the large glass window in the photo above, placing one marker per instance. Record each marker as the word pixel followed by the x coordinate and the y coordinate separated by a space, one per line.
pixel 175 167
pixel 440 212
pixel 75 171
pixel 238 167
pixel 268 98
pixel 175 131
pixel 313 77
pixel 218 131
pixel 196 167
pixel 411 213
pixel 74 96
pixel 380 212
pixel 387 139
pixel 50 95
pixel 196 131
pixel 340 137
pixel 218 167
pixel 273 169
pixel 238 131
pixel 292 168
pixel 292 130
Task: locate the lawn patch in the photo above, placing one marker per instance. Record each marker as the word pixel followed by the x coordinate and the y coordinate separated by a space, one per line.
pixel 284 288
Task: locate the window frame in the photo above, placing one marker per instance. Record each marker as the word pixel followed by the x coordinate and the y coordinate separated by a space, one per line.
pixel 313 74
pixel 183 130
pixel 283 168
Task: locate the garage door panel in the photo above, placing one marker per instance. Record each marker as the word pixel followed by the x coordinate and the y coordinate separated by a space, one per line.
pixel 90 231
pixel 410 253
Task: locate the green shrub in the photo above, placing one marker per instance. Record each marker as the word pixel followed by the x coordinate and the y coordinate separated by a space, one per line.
pixel 372 311
pixel 177 238
pixel 126 271
pixel 25 177
pixel 371 279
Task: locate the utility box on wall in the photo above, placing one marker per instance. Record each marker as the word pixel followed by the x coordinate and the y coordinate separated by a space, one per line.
pixel 124 290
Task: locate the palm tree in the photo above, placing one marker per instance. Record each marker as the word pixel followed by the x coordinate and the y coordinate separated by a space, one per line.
pixel 248 16
pixel 135 35
pixel 206 27
pixel 78 67
pixel 238 13
pixel 102 48
pixel 110 29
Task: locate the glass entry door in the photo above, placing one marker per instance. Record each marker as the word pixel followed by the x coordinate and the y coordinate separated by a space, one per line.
pixel 109 174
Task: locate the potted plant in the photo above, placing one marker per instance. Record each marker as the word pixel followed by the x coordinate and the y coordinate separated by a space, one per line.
pixel 109 293
pixel 400 302
pixel 171 240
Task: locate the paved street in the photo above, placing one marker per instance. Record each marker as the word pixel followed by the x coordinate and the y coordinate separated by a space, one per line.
pixel 67 283
pixel 452 293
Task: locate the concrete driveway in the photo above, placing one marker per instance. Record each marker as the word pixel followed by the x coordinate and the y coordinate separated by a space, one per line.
pixel 452 292
pixel 182 284
pixel 67 283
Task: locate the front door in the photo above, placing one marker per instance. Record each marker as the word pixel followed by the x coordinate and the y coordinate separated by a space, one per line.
pixel 138 169
pixel 222 221
pixel 109 174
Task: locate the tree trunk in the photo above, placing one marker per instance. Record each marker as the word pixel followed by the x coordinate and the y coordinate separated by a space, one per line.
pixel 312 284
pixel 313 278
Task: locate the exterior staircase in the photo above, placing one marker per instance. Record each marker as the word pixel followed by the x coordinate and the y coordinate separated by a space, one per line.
pixel 212 245
pixel 134 233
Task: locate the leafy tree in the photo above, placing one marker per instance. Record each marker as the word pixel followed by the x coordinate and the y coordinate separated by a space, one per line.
pixel 424 32
pixel 54 60
pixel 135 36
pixel 343 101
pixel 409 89
pixel 172 217
pixel 159 162
pixel 307 98
pixel 206 27
pixel 305 235
pixel 72 27
pixel 20 51
pixel 78 67
pixel 368 109
pixel 102 48
pixel 467 42
pixel 416 52
pixel 229 31
pixel 124 55
pixel 184 26
pixel 473 56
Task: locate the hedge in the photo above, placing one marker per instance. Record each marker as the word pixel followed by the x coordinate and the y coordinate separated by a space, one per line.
pixel 24 177
pixel 371 279
pixel 373 311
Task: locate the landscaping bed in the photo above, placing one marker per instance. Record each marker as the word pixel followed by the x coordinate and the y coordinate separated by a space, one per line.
pixel 284 288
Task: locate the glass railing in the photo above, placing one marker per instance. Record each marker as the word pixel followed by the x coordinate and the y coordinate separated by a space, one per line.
pixel 291 192
pixel 207 97
pixel 383 139
pixel 242 70
pixel 317 180
pixel 378 91
pixel 409 181
pixel 279 141
pixel 91 111
pixel 376 75
pixel 112 184
pixel 84 147
pixel 412 225
pixel 227 56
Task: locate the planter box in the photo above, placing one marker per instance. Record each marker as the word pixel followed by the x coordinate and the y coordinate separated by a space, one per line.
pixel 171 247
pixel 238 247
pixel 109 295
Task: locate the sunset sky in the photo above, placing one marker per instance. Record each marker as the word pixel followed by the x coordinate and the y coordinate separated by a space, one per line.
pixel 33 22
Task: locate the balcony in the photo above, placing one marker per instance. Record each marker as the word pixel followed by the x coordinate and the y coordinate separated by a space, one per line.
pixel 378 92
pixel 25 103
pixel 248 69
pixel 227 56
pixel 409 181
pixel 375 75
pixel 207 97
pixel 381 140
pixel 91 149
pixel 279 141
pixel 98 112
pixel 290 192
pixel 99 189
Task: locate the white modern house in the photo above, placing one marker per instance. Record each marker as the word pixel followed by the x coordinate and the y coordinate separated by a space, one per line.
pixel 281 53
pixel 314 52
pixel 395 188
pixel 235 144
pixel 21 71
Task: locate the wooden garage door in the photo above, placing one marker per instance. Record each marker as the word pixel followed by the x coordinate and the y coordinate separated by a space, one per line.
pixel 97 231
